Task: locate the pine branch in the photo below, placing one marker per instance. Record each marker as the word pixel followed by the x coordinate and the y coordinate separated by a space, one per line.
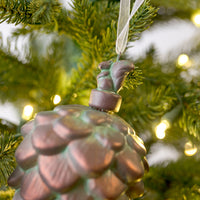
pixel 7 193
pixel 82 81
pixel 15 75
pixel 93 27
pixel 8 62
pixel 88 27
pixel 181 5
pixel 142 20
pixel 176 181
pixel 134 79
pixel 33 12
pixel 85 17
pixel 8 145
pixel 97 37
pixel 157 96
pixel 145 104
pixel 152 99
pixel 189 121
pixel 12 71
pixel 95 32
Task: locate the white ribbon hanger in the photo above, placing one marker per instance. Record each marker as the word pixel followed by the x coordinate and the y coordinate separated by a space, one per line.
pixel 123 23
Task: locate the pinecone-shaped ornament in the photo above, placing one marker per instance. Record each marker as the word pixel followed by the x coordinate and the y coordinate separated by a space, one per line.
pixel 82 153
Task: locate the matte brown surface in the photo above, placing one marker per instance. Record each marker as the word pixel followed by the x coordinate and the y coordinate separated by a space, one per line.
pixel 108 186
pixel 26 128
pixel 120 125
pixel 57 173
pixel 105 64
pixel 89 157
pixel 119 70
pixel 72 110
pixel 104 100
pixel 129 166
pixel 105 84
pixel 103 74
pixel 78 194
pixel 26 155
pixel 33 187
pixel 95 117
pixel 110 138
pixel 70 128
pixel 15 178
pixel 45 117
pixel 46 141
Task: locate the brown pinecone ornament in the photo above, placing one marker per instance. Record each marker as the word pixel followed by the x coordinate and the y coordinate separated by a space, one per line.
pixel 82 153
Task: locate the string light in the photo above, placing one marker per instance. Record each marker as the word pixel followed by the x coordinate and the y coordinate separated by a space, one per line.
pixel 196 19
pixel 190 149
pixel 27 112
pixel 183 60
pixel 56 99
pixel 161 128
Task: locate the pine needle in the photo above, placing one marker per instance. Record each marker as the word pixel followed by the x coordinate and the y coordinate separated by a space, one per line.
pixel 8 145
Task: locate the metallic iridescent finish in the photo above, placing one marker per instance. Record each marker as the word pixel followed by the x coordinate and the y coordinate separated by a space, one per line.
pixel 16 178
pixel 26 155
pixel 33 187
pixel 46 141
pixel 78 153
pixel 107 186
pixel 103 160
pixel 61 179
pixel 89 158
pixel 109 82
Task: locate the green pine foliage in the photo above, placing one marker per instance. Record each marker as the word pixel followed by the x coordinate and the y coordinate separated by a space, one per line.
pixel 36 66
pixel 61 57
pixel 176 181
pixel 190 122
pixel 97 41
pixel 7 193
pixel 178 5
pixel 8 143
pixel 29 12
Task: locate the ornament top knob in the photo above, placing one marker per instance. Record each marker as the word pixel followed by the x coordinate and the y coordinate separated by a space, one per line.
pixel 109 82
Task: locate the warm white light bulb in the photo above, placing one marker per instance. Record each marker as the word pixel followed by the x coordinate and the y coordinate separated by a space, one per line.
pixel 161 128
pixel 190 149
pixel 160 134
pixel 27 112
pixel 196 19
pixel 56 99
pixel 183 60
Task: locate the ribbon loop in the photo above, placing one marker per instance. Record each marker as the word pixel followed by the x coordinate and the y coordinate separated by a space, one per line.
pixel 123 23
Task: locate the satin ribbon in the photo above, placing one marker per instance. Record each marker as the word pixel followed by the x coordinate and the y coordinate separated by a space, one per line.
pixel 123 23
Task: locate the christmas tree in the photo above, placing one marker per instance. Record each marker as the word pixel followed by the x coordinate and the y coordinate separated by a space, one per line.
pixel 58 65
